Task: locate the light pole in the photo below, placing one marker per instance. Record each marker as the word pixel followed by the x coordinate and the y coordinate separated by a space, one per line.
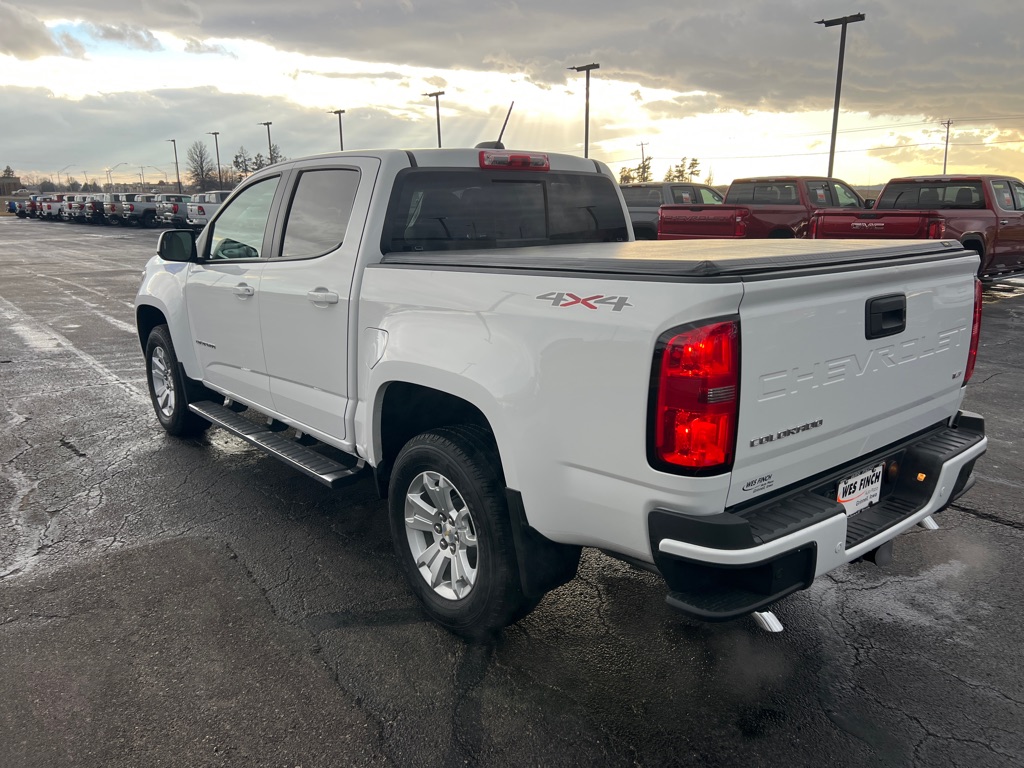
pixel 216 146
pixel 945 153
pixel 110 172
pixel 341 136
pixel 69 165
pixel 177 171
pixel 270 147
pixel 437 106
pixel 839 76
pixel 586 118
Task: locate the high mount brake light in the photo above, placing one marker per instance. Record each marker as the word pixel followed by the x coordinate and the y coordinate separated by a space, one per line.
pixel 696 375
pixel 514 161
pixel 972 353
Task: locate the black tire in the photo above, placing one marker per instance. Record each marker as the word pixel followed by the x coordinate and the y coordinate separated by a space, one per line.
pixel 149 220
pixel 169 390
pixel 466 457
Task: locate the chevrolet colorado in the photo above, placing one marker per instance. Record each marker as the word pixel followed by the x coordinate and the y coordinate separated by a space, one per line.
pixel 474 327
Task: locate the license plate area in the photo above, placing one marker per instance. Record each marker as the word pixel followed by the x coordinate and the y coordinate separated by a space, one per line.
pixel 860 490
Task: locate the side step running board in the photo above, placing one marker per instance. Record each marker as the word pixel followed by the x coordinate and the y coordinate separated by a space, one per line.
pixel 329 472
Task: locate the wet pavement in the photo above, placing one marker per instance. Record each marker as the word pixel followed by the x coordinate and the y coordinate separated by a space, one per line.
pixel 196 603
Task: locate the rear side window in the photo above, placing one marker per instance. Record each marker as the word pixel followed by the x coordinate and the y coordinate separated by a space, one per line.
pixel 319 212
pixel 458 209
pixel 642 197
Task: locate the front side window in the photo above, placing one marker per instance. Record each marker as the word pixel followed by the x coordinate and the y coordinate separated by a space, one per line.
pixel 683 195
pixel 709 196
pixel 319 212
pixel 846 197
pixel 238 232
pixel 1018 192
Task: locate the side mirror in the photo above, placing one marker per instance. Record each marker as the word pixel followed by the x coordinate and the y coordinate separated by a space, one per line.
pixel 177 245
pixel 869 203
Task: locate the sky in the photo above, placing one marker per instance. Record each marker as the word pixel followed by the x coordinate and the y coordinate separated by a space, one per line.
pixel 745 86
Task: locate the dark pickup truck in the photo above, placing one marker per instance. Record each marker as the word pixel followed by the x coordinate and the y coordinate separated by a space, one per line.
pixel 778 206
pixel 644 198
pixel 984 212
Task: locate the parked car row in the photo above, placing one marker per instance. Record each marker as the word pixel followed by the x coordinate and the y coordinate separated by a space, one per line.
pixel 122 208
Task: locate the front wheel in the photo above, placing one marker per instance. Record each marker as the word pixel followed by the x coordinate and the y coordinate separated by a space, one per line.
pixel 452 532
pixel 168 388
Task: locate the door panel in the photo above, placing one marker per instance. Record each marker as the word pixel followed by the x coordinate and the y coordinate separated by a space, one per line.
pixel 223 295
pixel 305 304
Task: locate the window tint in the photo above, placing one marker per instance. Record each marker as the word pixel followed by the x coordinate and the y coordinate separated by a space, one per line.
pixel 319 212
pixel 642 196
pixel 846 197
pixel 238 231
pixel 432 209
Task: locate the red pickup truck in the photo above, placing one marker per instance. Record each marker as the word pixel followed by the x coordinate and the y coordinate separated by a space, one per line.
pixel 778 206
pixel 985 213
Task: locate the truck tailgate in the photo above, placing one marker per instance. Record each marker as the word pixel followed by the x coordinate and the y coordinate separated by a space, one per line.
pixel 680 222
pixel 820 387
pixel 871 224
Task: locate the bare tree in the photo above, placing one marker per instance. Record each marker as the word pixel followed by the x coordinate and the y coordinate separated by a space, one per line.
pixel 201 167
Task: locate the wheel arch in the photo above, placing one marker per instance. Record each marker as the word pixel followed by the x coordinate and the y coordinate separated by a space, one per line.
pixel 405 409
pixel 147 317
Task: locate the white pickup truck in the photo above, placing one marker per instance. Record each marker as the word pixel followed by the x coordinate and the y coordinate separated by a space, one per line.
pixel 202 207
pixel 473 326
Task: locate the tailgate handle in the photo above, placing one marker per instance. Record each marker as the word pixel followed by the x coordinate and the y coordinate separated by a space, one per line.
pixel 885 316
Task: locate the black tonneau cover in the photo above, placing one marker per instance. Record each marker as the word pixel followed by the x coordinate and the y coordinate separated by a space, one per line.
pixel 686 258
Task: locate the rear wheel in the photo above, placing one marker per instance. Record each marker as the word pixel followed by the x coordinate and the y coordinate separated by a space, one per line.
pixel 168 388
pixel 452 533
pixel 149 219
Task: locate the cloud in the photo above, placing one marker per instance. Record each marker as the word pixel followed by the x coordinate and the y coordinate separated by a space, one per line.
pixel 198 46
pixel 23 36
pixel 124 34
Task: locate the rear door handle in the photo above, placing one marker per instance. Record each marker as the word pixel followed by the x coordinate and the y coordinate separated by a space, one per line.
pixel 244 290
pixel 1004 222
pixel 322 296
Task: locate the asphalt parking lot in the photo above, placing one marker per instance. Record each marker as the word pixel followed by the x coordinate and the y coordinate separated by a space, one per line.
pixel 196 603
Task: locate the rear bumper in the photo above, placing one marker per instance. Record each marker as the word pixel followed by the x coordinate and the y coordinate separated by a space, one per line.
pixel 723 566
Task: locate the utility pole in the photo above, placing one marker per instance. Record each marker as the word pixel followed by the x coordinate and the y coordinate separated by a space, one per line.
pixel 177 171
pixel 643 158
pixel 216 146
pixel 437 106
pixel 839 76
pixel 270 146
pixel 341 136
pixel 586 115
pixel 945 153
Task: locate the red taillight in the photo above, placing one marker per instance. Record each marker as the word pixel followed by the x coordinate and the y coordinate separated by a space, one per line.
pixel 696 404
pixel 201 211
pixel 517 161
pixel 740 221
pixel 812 229
pixel 174 208
pixel 972 353
pixel 130 207
pixel 936 229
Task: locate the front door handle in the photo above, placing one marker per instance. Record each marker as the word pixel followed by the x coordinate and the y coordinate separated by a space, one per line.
pixel 322 296
pixel 244 290
pixel 1004 222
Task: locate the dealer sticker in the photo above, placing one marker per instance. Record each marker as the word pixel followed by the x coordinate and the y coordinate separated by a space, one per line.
pixel 860 491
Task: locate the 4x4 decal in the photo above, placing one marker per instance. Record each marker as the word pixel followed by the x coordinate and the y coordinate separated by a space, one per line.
pixel 566 299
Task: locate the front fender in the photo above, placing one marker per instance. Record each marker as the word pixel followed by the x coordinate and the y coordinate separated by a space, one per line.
pixel 163 288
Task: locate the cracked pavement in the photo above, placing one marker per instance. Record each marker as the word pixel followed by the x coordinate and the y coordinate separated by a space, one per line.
pixel 194 602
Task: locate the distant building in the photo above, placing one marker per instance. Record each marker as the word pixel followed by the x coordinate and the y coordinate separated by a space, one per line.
pixel 10 183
